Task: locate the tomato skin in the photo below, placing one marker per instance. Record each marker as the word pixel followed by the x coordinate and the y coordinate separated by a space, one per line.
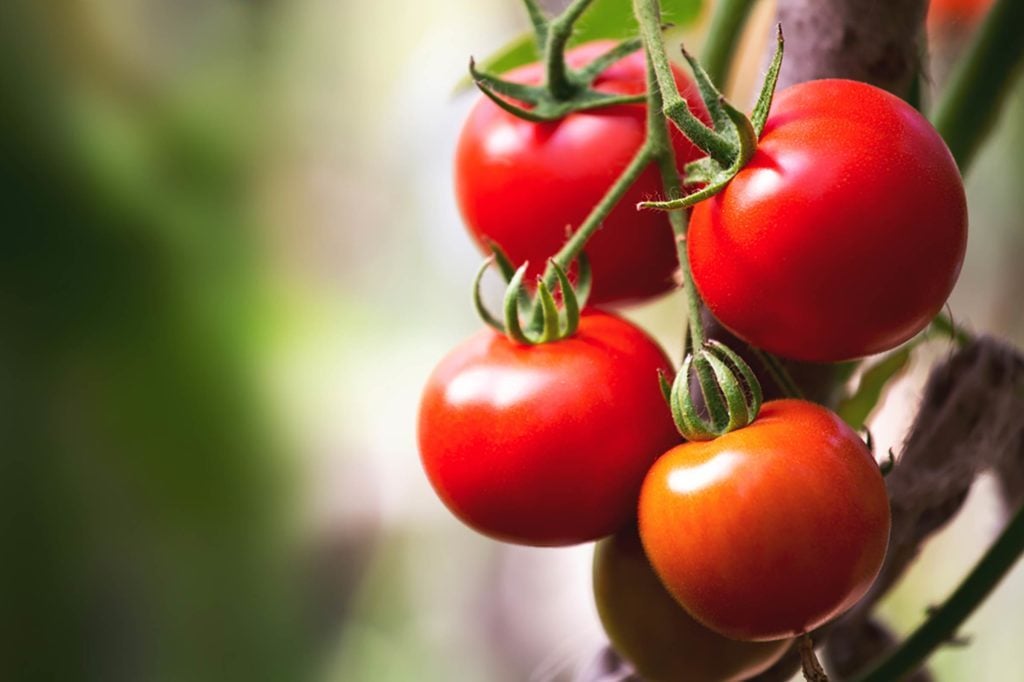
pixel 845 233
pixel 771 530
pixel 652 631
pixel 546 444
pixel 523 185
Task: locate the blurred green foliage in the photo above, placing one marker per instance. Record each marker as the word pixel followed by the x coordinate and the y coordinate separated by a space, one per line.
pixel 144 521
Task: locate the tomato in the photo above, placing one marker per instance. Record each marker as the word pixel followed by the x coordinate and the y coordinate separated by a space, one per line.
pixel 845 233
pixel 965 14
pixel 771 530
pixel 524 185
pixel 546 444
pixel 653 632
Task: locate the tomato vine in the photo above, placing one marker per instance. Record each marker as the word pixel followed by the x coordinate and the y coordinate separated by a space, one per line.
pixel 716 396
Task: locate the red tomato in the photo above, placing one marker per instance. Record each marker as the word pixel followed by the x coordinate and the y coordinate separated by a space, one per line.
pixel 652 631
pixel 546 444
pixel 525 185
pixel 771 530
pixel 845 233
pixel 964 14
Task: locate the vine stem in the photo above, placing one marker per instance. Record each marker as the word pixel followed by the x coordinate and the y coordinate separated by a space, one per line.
pixel 944 622
pixel 809 663
pixel 971 100
pixel 671 103
pixel 726 25
pixel 559 31
pixel 648 14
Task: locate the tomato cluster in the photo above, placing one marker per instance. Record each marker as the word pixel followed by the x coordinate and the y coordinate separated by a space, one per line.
pixel 841 237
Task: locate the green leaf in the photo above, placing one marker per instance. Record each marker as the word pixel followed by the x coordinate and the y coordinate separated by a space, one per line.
pixel 856 408
pixel 614 18
pixel 604 19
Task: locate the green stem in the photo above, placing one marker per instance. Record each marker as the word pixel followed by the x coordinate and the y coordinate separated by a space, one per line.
pixel 538 21
pixel 558 34
pixel 944 622
pixel 648 13
pixel 575 244
pixel 972 99
pixel 661 149
pixel 726 25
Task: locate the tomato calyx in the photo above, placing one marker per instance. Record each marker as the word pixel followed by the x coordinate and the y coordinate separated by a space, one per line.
pixel 564 89
pixel 714 392
pixel 733 140
pixel 545 105
pixel 546 321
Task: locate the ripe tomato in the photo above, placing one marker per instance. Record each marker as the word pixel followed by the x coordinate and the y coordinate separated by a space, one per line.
pixel 652 631
pixel 524 185
pixel 546 444
pixel 963 14
pixel 771 530
pixel 845 233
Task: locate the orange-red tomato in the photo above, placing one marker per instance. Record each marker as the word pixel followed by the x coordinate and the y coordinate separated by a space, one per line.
pixel 771 530
pixel 652 631
pixel 546 444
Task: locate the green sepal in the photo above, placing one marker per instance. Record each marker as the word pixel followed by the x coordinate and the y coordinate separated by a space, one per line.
pixel 731 393
pixel 551 326
pixel 547 322
pixel 569 300
pixel 702 171
pixel 513 328
pixel 710 94
pixel 543 106
pixel 746 148
pixel 731 124
pixel 573 92
pixel 478 302
pixel 666 387
pixel 763 106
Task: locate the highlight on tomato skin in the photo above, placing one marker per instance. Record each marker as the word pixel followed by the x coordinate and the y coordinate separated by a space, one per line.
pixel 845 233
pixel 771 530
pixel 547 444
pixel 649 628
pixel 524 185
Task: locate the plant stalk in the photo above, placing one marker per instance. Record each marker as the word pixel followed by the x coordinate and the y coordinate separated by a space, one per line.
pixel 648 13
pixel 664 156
pixel 727 23
pixel 944 622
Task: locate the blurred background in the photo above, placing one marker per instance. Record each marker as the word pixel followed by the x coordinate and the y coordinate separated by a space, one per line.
pixel 231 256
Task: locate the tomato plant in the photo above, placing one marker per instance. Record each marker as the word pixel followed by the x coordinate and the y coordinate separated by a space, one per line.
pixel 844 234
pixel 546 444
pixel 771 530
pixel 524 185
pixel 649 628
